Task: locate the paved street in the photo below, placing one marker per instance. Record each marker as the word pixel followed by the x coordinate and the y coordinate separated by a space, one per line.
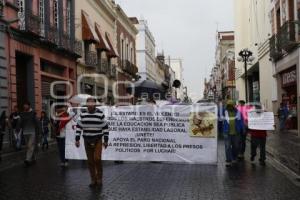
pixel 137 181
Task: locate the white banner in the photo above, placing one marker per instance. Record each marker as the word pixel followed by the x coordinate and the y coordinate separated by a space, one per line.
pixel 177 133
pixel 261 121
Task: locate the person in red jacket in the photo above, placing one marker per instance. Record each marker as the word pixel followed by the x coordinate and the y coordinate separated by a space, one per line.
pixel 258 139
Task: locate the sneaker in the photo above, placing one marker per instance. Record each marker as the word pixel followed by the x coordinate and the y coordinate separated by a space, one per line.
pixel 241 157
pixel 262 163
pixel 252 160
pixel 228 164
pixel 93 185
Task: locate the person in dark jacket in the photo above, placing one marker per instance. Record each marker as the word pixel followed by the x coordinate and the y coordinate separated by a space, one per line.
pixel 29 125
pixel 233 126
pixel 17 135
pixel 94 128
pixel 45 129
pixel 283 113
pixel 3 123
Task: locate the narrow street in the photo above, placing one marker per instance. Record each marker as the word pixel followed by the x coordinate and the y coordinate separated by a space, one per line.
pixel 140 181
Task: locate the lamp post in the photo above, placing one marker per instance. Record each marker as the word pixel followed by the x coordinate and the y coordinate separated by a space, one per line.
pixel 245 56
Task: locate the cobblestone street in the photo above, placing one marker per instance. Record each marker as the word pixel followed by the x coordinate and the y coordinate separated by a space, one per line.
pixel 139 181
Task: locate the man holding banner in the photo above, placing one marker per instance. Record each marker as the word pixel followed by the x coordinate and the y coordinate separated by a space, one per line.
pixel 94 127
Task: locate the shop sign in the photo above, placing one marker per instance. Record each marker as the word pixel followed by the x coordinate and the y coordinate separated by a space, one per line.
pixel 289 78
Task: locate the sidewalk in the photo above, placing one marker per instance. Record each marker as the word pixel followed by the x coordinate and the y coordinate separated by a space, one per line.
pixel 13 158
pixel 285 148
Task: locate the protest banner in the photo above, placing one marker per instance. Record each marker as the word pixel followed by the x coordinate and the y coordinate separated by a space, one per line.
pixel 176 133
pixel 261 121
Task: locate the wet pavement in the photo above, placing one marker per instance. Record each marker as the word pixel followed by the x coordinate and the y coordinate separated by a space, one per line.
pixel 141 181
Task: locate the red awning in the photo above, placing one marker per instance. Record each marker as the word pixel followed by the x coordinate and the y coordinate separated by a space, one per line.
pixel 112 53
pixel 88 32
pixel 103 44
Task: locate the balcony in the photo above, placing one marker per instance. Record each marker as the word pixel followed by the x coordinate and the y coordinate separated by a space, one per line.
pixel 128 67
pixel 285 41
pixel 112 71
pixel 288 36
pixel 77 48
pixel 52 35
pixel 91 59
pixel 65 42
pixel 32 23
pixel 102 68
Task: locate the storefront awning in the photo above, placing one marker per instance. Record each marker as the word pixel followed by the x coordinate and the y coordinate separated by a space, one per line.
pixel 103 44
pixel 88 32
pixel 112 53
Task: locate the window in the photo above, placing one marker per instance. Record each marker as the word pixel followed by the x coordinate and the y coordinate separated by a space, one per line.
pixel 55 14
pixel 21 13
pixel 122 50
pixel 42 16
pixel 68 17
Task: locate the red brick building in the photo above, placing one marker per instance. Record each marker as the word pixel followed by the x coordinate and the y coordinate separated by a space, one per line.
pixel 41 49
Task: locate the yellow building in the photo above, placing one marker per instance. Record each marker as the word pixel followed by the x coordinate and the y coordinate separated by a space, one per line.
pixel 96 27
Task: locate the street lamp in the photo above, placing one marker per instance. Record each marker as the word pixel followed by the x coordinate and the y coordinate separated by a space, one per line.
pixel 245 56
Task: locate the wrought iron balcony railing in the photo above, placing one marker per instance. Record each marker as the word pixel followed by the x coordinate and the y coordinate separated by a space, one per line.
pixel 65 42
pixel 287 35
pixel 285 41
pixel 78 47
pixel 91 59
pixel 32 22
pixel 52 35
pixel 102 67
pixel 113 71
pixel 129 67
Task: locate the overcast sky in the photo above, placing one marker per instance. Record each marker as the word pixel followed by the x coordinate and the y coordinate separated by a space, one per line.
pixel 185 29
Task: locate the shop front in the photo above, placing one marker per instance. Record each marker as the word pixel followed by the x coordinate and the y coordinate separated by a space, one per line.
pixel 289 96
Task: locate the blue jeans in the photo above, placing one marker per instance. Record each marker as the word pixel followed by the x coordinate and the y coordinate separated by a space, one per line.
pixel 282 121
pixel 231 147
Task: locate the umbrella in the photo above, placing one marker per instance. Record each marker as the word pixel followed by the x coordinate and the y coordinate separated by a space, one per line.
pixel 80 99
pixel 147 87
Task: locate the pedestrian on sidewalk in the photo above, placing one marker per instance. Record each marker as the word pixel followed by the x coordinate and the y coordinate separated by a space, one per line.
pixel 44 120
pixel 242 108
pixel 29 125
pixel 63 120
pixel 16 135
pixel 3 124
pixel 94 128
pixel 233 126
pixel 258 139
pixel 283 113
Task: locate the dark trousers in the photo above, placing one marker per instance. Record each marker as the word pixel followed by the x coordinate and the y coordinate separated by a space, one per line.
pixel 61 144
pixel 242 143
pixel 231 147
pixel 94 153
pixel 261 143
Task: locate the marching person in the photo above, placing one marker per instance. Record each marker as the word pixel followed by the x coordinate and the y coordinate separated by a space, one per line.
pixel 233 126
pixel 61 124
pixel 242 108
pixel 45 130
pixel 17 135
pixel 283 113
pixel 258 139
pixel 29 125
pixel 94 129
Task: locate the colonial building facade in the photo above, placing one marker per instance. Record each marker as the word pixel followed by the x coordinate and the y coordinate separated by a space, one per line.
pixel 41 52
pixel 96 26
pixel 126 38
